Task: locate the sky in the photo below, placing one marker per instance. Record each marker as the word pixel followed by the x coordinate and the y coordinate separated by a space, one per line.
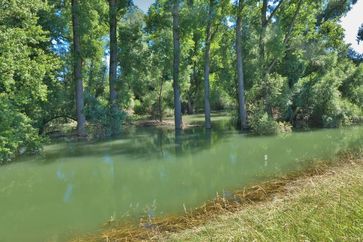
pixel 350 22
pixel 143 4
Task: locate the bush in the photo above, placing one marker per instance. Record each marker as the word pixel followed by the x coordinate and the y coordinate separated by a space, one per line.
pixel 17 135
pixel 140 108
pixel 331 99
pixel 284 127
pixel 99 117
pixel 262 124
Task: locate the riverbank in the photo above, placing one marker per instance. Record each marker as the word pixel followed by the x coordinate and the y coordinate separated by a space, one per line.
pixel 68 131
pixel 324 202
pixel 189 121
pixel 322 207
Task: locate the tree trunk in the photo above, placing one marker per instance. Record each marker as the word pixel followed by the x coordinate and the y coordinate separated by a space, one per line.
pixel 193 88
pixel 176 63
pixel 77 72
pixel 265 20
pixel 113 66
pixel 208 39
pixel 91 78
pixel 160 101
pixel 263 26
pixel 240 76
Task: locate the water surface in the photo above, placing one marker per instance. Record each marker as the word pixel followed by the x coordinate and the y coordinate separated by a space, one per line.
pixel 74 188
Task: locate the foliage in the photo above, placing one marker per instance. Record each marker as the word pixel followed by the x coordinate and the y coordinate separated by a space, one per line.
pixel 26 67
pixel 262 124
pixel 17 134
pixel 325 98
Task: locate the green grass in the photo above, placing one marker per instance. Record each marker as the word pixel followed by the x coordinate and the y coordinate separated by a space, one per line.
pixel 320 208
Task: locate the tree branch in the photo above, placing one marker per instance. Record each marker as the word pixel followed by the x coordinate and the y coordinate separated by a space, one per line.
pixel 288 34
pixel 274 11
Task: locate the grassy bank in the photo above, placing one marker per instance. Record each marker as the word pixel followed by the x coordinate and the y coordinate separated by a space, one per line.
pixel 324 207
pixel 320 204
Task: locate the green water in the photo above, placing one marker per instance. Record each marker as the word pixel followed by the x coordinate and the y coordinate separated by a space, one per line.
pixel 74 188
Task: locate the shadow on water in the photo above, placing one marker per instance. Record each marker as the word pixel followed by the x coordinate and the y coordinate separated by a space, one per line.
pixel 146 142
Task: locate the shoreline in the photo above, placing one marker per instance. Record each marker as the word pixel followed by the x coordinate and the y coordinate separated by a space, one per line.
pixel 265 192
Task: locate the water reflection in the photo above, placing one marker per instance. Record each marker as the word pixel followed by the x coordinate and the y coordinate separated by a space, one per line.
pixel 148 142
pixel 148 172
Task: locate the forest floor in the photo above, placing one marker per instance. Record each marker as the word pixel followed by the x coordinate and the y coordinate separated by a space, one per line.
pixel 319 204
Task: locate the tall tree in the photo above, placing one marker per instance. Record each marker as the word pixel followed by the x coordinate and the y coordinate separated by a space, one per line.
pixel 113 64
pixel 240 77
pixel 77 70
pixel 27 76
pixel 176 64
pixel 266 19
pixel 208 40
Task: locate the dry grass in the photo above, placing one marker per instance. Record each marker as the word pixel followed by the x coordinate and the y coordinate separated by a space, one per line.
pixel 322 203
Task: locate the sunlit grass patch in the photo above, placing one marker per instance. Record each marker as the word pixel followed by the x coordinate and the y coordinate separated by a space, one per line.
pixel 327 207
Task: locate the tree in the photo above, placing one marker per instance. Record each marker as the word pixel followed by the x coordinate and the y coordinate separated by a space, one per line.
pixel 266 19
pixel 176 64
pixel 27 67
pixel 240 77
pixel 113 65
pixel 208 39
pixel 77 70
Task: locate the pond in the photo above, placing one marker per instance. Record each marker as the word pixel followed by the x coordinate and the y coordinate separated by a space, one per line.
pixel 74 188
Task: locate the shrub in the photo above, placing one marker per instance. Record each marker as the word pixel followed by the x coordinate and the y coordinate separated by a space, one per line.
pixel 17 135
pixel 262 124
pixel 99 117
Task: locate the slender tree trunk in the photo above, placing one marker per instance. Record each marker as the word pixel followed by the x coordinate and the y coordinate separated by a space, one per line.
pixel 263 26
pixel 160 101
pixel 240 76
pixel 176 63
pixel 77 65
pixel 264 23
pixel 265 20
pixel 91 77
pixel 208 39
pixel 113 65
pixel 193 77
pixel 190 105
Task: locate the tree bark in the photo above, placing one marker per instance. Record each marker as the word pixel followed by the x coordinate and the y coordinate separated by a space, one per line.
pixel 77 72
pixel 113 65
pixel 208 39
pixel 240 76
pixel 193 88
pixel 263 32
pixel 160 100
pixel 264 24
pixel 176 63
